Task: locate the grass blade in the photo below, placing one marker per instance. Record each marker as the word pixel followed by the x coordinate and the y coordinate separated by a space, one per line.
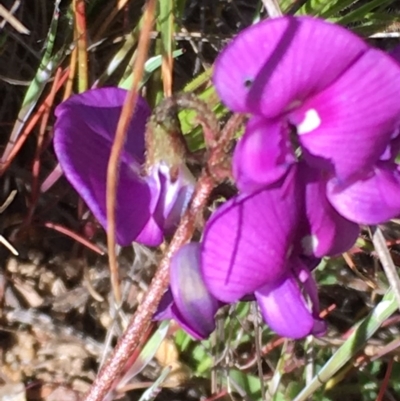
pixel 362 332
pixel 46 69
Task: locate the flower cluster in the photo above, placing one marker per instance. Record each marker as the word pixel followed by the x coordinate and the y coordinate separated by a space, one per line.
pixel 317 159
pixel 147 205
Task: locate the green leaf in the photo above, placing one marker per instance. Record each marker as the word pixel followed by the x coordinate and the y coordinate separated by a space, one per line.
pixel 249 383
pixel 150 66
pixel 362 12
pixel 182 340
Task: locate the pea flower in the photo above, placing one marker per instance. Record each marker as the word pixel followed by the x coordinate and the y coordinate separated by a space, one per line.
pixel 252 245
pixel 284 307
pixel 316 92
pixel 147 205
pixel 317 158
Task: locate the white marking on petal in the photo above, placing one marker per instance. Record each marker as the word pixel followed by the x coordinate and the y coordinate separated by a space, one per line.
pixel 311 121
pixel 309 244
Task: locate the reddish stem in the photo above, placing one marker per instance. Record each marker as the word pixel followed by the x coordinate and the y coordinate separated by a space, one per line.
pixel 142 318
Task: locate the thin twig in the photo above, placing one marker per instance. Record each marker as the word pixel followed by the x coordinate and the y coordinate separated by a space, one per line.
pixel 13 21
pixel 72 68
pixel 30 125
pixel 258 343
pixel 273 8
pixel 39 149
pixel 109 18
pixel 3 207
pixel 8 201
pixel 385 383
pixel 8 245
pixel 74 236
pixel 80 29
pixel 386 260
pixel 167 46
pixel 122 128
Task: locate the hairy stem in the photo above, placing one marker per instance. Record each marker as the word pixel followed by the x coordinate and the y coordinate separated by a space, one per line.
pixel 148 307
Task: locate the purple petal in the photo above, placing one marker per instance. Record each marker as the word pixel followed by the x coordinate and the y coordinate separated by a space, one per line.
pixel 167 310
pixel 373 200
pixel 82 141
pixel 152 233
pixel 101 109
pixel 164 311
pixel 247 241
pixel 194 305
pixel 311 262
pixel 285 310
pixel 393 148
pixel 352 121
pixel 276 64
pixel 327 232
pixel 263 155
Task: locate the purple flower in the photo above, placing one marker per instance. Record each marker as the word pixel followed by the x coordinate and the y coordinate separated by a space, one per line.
pixel 316 159
pixel 188 301
pixel 147 206
pixel 261 243
pixel 318 93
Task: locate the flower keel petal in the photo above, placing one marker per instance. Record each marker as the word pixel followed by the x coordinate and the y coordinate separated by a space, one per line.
pixel 284 309
pixel 196 306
